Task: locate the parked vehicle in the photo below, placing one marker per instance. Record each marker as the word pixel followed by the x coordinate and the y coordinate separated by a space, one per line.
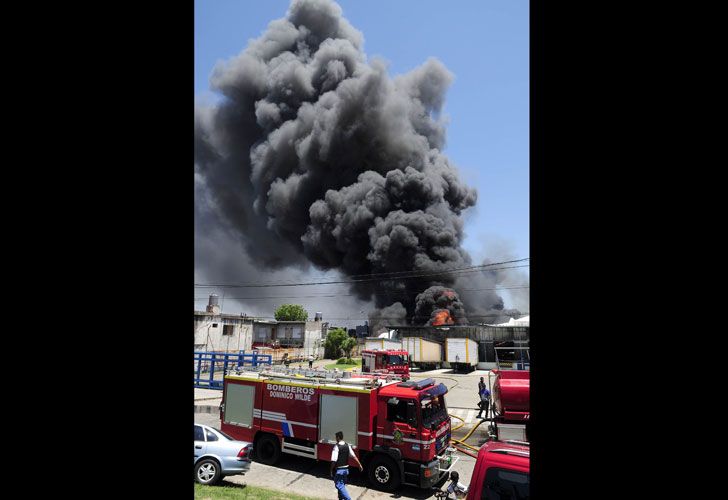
pixel 511 402
pixel 461 353
pixel 400 430
pixel 389 361
pixel 502 470
pixel 373 343
pixel 218 455
pixel 423 353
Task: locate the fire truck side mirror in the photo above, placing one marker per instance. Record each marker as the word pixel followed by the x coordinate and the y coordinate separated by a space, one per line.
pixel 392 405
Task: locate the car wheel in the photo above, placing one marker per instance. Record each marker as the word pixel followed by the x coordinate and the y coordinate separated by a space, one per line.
pixel 268 449
pixel 383 473
pixel 207 471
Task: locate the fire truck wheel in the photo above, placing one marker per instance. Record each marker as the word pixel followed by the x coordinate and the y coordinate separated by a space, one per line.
pixel 268 449
pixel 207 471
pixel 384 473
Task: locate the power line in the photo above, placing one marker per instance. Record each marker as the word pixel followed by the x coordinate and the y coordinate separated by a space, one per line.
pixel 393 292
pixel 413 273
pixel 479 266
pixel 456 271
pixel 399 318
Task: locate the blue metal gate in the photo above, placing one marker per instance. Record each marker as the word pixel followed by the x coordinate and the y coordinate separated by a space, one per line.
pixel 207 364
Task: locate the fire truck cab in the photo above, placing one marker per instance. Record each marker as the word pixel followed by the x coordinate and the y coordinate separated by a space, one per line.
pixel 388 361
pixel 502 470
pixel 399 430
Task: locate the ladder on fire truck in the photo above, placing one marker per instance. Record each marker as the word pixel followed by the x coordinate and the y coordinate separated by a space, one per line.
pixel 337 377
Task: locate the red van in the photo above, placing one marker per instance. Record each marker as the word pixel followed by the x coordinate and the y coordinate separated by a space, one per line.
pixel 501 472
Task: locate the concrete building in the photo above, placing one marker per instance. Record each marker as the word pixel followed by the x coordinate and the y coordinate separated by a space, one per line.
pixel 222 332
pixel 362 331
pixel 232 333
pixel 306 335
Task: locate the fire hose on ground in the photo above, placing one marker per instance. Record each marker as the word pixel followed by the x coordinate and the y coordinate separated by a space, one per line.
pixel 462 442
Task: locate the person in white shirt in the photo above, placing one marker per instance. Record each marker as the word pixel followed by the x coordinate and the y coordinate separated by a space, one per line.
pixel 340 465
pixel 456 488
pixel 310 361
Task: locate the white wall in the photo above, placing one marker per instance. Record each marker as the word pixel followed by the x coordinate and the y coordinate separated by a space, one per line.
pixel 209 337
pixel 312 340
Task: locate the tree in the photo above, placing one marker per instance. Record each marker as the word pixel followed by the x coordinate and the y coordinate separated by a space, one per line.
pixel 291 312
pixel 347 345
pixel 334 340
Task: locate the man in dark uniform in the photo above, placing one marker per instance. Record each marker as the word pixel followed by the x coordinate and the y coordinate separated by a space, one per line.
pixel 340 464
pixel 484 395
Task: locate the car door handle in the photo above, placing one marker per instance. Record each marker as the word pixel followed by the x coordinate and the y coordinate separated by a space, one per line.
pixel 198 447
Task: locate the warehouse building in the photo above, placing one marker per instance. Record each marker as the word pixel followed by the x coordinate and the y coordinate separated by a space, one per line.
pixel 515 333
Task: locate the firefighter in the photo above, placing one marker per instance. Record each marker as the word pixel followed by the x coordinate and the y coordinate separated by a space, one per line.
pixel 484 395
pixel 340 465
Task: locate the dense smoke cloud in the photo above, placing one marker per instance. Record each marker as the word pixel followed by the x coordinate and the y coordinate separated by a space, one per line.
pixel 432 302
pixel 482 303
pixel 379 319
pixel 315 155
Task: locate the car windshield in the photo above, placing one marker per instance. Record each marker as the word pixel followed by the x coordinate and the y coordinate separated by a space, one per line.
pixel 433 411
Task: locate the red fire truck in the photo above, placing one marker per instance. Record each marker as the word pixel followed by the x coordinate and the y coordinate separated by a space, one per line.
pixel 389 361
pixel 511 408
pixel 502 470
pixel 400 430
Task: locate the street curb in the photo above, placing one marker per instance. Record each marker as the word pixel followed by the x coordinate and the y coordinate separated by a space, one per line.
pixel 206 409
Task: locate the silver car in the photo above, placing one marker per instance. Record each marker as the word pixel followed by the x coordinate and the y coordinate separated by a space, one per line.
pixel 218 455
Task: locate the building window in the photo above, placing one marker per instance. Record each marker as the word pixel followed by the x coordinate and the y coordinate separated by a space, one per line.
pixel 214 325
pixel 227 329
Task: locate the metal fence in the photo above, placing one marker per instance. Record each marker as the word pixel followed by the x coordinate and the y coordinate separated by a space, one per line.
pixel 208 365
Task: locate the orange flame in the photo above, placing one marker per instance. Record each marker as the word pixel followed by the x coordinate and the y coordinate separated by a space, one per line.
pixel 442 318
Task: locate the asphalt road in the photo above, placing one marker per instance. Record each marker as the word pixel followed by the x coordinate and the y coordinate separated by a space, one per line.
pixel 308 477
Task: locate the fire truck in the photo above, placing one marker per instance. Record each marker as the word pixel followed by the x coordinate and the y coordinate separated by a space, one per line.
pixel 511 408
pixel 388 361
pixel 400 430
pixel 502 470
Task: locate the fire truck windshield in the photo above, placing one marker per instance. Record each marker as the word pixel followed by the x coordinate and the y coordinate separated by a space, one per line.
pixel 433 411
pixel 395 359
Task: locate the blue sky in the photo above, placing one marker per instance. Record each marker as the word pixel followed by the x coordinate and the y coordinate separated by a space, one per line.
pixel 483 43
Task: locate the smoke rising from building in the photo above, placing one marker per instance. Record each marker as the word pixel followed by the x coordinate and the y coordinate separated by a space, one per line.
pixel 439 305
pixel 315 155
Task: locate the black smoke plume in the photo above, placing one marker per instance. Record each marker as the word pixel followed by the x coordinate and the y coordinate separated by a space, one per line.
pixel 395 314
pixel 315 155
pixel 436 299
